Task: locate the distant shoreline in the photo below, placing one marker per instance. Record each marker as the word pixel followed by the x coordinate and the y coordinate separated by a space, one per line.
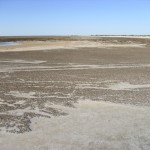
pixel 69 38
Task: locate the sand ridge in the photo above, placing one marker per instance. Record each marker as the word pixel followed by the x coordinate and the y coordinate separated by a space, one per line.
pixel 52 45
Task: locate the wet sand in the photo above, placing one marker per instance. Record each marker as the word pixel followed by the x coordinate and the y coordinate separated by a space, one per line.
pixel 75 95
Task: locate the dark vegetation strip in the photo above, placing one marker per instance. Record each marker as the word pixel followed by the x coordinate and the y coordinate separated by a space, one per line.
pixel 73 38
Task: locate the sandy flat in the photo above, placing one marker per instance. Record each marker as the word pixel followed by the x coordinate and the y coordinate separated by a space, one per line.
pixel 62 95
pixel 91 125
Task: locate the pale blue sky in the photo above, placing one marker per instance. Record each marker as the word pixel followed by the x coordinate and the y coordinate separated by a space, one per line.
pixel 74 17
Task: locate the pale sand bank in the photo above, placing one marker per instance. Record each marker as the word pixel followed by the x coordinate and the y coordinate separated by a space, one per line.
pixel 49 45
pixel 91 125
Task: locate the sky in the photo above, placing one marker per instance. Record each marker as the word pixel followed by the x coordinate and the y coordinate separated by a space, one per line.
pixel 74 17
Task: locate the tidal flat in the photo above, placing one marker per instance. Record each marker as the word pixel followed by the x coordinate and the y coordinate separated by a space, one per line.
pixel 80 93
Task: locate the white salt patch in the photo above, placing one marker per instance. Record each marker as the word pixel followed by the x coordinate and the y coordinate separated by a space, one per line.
pixel 19 94
pixel 20 102
pixel 109 66
pixel 112 86
pixel 22 61
pixel 69 67
pixel 78 67
pixel 88 86
pixel 127 86
pixel 3 103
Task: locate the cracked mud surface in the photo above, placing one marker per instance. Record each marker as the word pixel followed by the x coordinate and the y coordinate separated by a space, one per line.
pixel 31 83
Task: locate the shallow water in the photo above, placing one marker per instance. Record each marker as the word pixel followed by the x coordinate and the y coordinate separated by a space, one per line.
pixel 8 43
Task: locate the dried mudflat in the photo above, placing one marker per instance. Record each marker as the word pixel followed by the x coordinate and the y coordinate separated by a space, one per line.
pixel 84 95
